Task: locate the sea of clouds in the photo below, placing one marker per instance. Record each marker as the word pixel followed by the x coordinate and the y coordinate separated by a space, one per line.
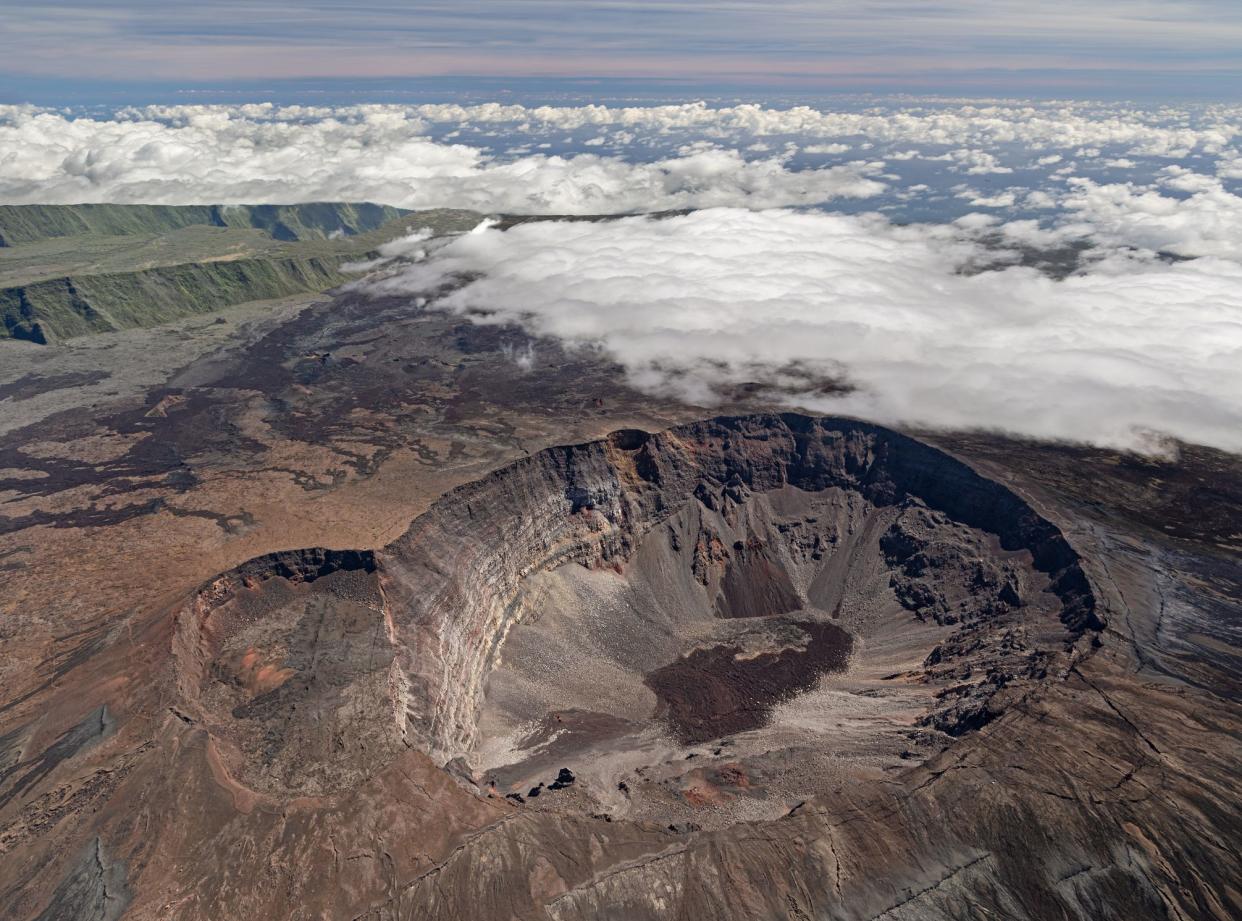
pixel 894 248
pixel 1130 350
pixel 600 159
pixel 383 154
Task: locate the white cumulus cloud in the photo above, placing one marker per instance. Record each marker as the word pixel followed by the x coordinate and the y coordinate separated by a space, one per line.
pixel 238 156
pixel 1208 222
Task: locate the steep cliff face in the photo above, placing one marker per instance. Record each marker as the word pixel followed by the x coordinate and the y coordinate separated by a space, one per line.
pixel 60 308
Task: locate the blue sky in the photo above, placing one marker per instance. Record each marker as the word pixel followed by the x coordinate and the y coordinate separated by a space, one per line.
pixel 77 50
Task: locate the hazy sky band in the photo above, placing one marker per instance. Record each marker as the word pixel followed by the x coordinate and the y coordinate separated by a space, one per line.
pixel 829 42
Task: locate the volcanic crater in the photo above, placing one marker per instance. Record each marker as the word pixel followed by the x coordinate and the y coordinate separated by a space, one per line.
pixel 695 627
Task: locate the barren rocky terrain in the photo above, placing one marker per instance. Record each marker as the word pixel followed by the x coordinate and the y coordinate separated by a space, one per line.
pixel 331 608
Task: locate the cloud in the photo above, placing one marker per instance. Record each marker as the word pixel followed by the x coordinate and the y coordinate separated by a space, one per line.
pixel 692 155
pixel 227 156
pixel 694 304
pixel 981 200
pixel 1039 201
pixel 1230 165
pixel 1206 222
pixel 978 162
pixel 411 248
pixel 1165 132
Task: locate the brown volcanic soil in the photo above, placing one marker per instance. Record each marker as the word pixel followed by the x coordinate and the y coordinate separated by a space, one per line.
pixel 179 744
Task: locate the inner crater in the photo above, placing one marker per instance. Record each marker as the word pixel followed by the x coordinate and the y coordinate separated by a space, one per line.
pixel 759 645
pixel 697 627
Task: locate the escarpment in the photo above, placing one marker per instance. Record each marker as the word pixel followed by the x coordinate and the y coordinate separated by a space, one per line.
pixel 745 584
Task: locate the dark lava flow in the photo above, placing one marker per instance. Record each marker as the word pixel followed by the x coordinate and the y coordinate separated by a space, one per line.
pixel 719 691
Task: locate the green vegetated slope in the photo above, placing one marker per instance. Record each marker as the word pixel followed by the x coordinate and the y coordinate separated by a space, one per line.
pixel 314 221
pixel 74 306
pixel 138 265
pixel 28 223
